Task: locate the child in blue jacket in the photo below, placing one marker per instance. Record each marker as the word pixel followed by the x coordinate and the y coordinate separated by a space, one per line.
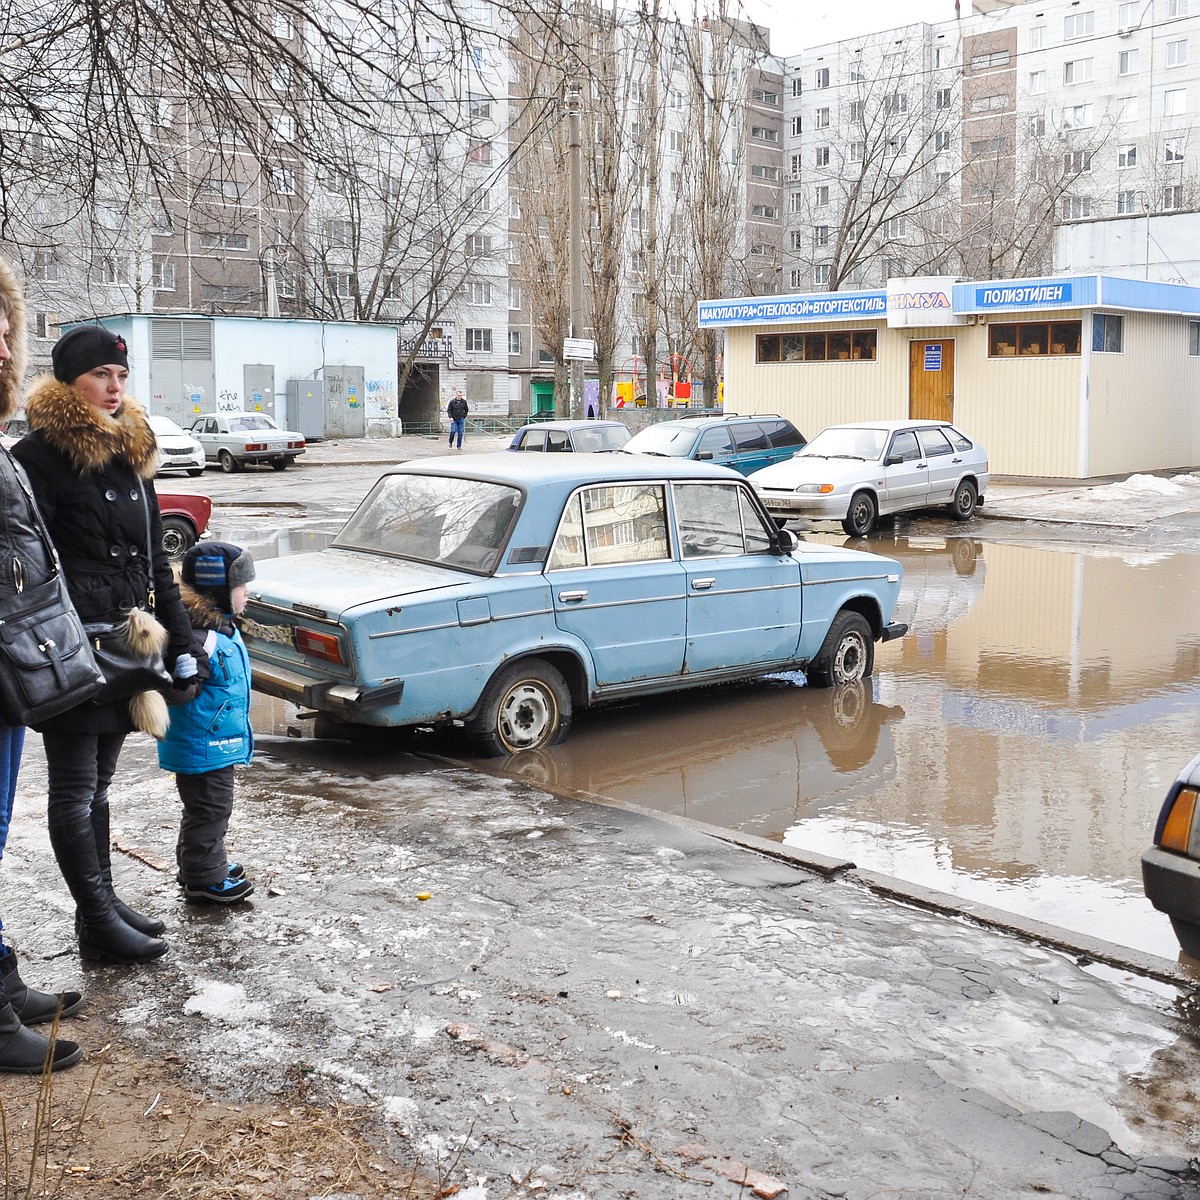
pixel 210 734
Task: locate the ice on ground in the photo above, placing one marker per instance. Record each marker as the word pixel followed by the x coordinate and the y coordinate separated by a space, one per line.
pixel 224 1002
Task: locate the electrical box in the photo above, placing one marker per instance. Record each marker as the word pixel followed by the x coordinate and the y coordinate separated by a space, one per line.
pixel 306 408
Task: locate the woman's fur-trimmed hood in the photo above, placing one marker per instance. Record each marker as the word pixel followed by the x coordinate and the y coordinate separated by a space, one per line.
pixel 86 436
pixel 13 375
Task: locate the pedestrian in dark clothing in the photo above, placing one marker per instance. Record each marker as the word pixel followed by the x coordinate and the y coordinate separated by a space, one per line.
pixel 211 734
pixel 457 411
pixel 25 563
pixel 91 457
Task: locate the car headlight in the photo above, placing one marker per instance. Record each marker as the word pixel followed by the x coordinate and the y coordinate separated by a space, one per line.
pixel 814 489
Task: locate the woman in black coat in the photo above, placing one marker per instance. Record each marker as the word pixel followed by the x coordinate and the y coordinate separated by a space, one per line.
pixel 91 457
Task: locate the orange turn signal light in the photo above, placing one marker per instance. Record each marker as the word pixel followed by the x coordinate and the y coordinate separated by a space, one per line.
pixel 325 646
pixel 826 487
pixel 1178 828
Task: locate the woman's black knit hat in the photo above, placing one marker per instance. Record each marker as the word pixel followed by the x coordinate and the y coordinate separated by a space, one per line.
pixel 85 347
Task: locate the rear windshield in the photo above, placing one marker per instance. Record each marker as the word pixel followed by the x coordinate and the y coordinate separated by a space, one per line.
pixel 460 523
pixel 242 424
pixel 669 438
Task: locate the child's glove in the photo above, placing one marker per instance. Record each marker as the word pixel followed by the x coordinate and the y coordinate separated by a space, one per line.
pixel 185 667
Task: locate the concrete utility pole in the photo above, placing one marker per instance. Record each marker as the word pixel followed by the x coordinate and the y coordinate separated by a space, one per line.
pixel 575 197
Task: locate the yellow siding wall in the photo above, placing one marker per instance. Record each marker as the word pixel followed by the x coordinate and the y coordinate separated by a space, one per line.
pixel 1025 412
pixel 1145 403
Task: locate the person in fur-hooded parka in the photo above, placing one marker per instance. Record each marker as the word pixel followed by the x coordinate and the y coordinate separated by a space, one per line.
pixel 91 457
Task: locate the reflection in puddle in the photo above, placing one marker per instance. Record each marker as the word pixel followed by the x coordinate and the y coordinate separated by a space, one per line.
pixel 1014 748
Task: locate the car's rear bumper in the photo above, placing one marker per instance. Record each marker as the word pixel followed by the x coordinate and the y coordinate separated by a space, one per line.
pixel 343 699
pixel 1172 884
pixel 897 629
pixel 264 455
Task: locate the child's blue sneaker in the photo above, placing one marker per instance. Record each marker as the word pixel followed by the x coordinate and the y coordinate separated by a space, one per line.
pixel 228 891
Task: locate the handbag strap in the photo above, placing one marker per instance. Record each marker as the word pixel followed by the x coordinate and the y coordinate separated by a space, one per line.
pixel 149 551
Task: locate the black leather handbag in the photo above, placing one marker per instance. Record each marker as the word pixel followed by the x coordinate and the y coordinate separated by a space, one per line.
pixel 46 663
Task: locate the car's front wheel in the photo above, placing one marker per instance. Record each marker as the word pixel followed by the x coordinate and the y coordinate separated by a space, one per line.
pixel 966 497
pixel 1188 935
pixel 860 516
pixel 526 706
pixel 178 536
pixel 229 464
pixel 195 472
pixel 847 654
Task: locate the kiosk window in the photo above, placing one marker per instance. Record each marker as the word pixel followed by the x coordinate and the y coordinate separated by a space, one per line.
pixel 1034 339
pixel 1108 333
pixel 838 345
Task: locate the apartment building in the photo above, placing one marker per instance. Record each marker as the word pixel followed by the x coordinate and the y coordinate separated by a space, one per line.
pixel 1024 116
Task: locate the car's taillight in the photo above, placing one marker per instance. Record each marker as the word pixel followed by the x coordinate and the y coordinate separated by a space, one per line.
pixel 296 445
pixel 252 446
pixel 1177 825
pixel 325 646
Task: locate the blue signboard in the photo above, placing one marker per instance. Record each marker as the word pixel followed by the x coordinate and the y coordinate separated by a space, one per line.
pixel 828 306
pixel 1017 295
pixel 933 356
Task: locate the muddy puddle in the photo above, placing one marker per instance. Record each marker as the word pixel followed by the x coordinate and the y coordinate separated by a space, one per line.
pixel 1013 749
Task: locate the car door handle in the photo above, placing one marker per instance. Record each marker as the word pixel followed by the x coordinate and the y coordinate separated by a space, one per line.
pixel 572 597
pixel 956 460
pixel 702 585
pixel 922 466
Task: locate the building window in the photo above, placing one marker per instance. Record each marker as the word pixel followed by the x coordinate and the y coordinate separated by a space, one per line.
pixel 797 165
pixel 283 181
pixel 765 212
pixel 797 86
pixel 942 98
pixel 1037 83
pixel 986 62
pixel 480 292
pixel 858 150
pixel 821 157
pixel 762 171
pixel 821 275
pixel 1174 102
pixel 162 275
pixel 1127 109
pixel 514 341
pixel 1077 162
pixel 1037 127
pixel 821 195
pixel 674 99
pixel 761 250
pixel 995 103
pixel 1079 70
pixel 478 245
pixel 1173 150
pixel 1172 197
pixel 796 202
pixel 1078 116
pixel 479 340
pixel 1127 16
pixel 795 278
pixel 820 235
pixel 822 77
pixel 762 133
pixel 943 56
pixel 675 141
pixel 797 126
pixel 897 145
pixel 835 345
pixel 856 110
pixel 796 239
pixel 1177 8
pixel 896 103
pixel 1035 339
pixel 1126 157
pixel 479 152
pixel 516 299
pixel 1127 62
pixel 224 241
pixel 479 107
pixel 1079 25
pixel 1126 203
pixel 341 284
pixel 545 357
pixel 896 227
pixel 991 147
pixel 1076 208
pixel 1037 37
pixel 821 118
pixel 771 99
pixel 941 140
pixel 44 268
pixel 1108 333
pixel 1177 53
pixel 1194 339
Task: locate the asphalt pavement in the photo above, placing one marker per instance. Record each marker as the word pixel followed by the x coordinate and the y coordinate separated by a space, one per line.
pixel 595 1001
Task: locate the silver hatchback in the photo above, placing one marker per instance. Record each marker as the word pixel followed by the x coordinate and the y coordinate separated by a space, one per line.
pixel 857 473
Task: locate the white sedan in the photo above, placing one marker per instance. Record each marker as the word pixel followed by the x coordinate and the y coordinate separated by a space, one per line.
pixel 177 450
pixel 860 472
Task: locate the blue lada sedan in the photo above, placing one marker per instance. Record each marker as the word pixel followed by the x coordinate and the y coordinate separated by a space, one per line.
pixel 503 592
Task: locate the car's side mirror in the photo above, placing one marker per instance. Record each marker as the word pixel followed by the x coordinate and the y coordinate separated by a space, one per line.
pixel 786 540
pixel 893 460
pixel 704 455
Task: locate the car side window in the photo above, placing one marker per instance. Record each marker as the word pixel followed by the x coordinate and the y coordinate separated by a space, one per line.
pixel 534 439
pixel 933 443
pixel 557 441
pixel 750 436
pixel 715 442
pixel 958 440
pixel 612 523
pixel 717 519
pixel 783 433
pixel 904 446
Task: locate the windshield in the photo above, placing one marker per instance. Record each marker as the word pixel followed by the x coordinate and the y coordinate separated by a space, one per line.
pixel 841 441
pixel 669 438
pixel 251 421
pixel 163 425
pixel 461 523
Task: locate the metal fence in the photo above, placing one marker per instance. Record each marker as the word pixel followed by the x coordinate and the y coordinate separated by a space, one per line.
pixel 637 418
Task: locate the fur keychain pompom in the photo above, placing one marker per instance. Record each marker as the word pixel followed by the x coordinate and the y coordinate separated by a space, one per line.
pixel 146 636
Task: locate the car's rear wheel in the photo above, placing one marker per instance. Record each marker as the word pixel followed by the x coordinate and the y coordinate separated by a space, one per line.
pixel 1188 935
pixel 526 706
pixel 966 497
pixel 179 536
pixel 229 464
pixel 280 464
pixel 847 654
pixel 860 516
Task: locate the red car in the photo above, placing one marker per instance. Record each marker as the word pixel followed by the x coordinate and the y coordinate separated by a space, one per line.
pixel 184 521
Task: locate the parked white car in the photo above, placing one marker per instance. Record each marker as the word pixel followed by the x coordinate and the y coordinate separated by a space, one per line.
pixel 178 451
pixel 860 472
pixel 233 439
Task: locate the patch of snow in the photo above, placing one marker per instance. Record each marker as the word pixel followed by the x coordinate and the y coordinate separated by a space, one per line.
pixel 669 854
pixel 224 1002
pixel 401 1110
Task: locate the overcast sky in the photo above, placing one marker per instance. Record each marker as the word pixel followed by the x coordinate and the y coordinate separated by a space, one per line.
pixel 797 24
